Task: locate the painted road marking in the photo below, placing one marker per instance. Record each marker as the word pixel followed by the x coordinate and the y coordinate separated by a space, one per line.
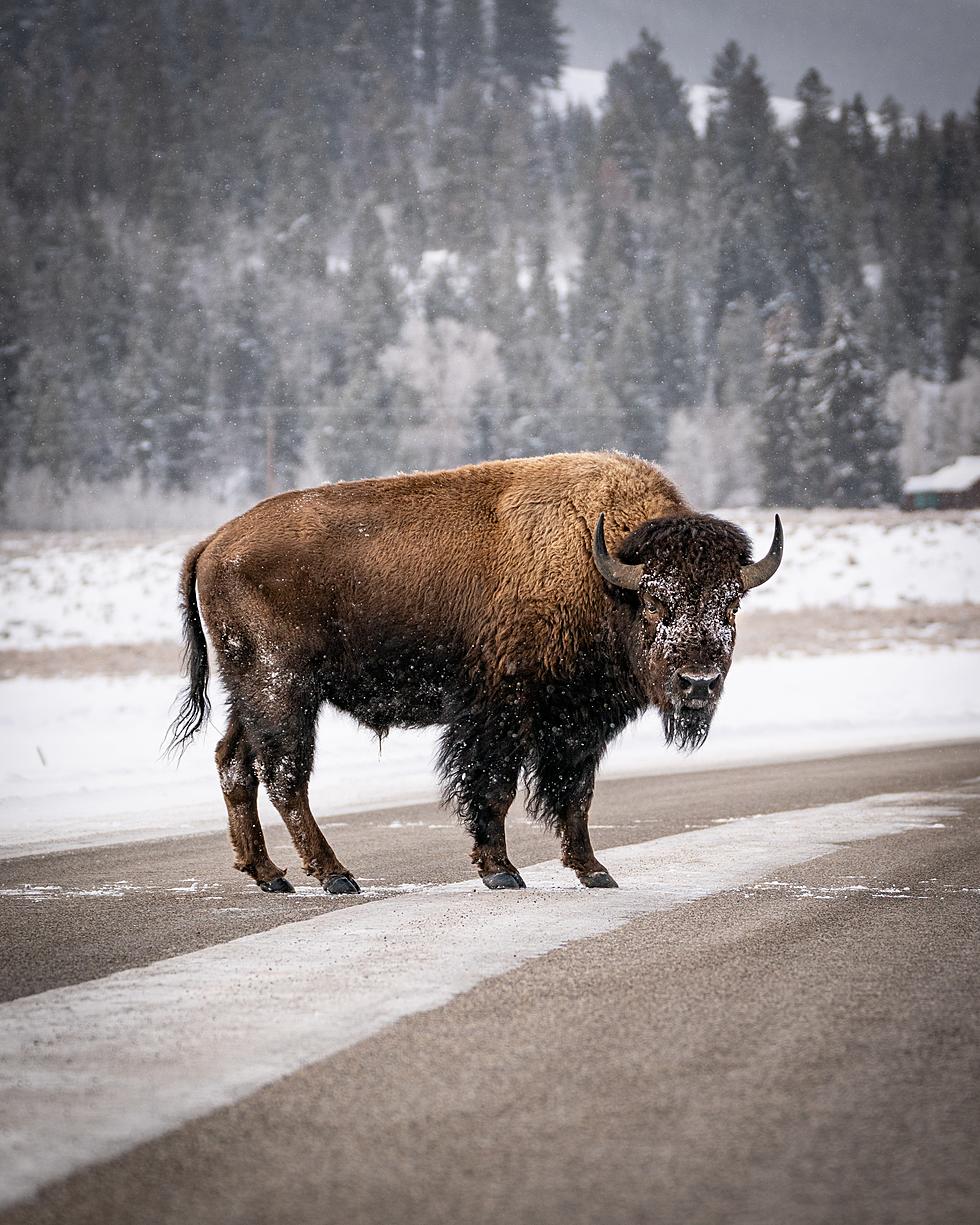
pixel 89 1071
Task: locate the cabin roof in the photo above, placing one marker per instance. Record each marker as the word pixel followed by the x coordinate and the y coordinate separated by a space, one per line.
pixel 954 478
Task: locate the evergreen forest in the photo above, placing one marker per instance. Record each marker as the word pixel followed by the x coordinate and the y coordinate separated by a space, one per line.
pixel 247 246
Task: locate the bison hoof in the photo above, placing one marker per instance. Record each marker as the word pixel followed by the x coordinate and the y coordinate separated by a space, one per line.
pixel 341 884
pixel 598 880
pixel 504 880
pixel 278 884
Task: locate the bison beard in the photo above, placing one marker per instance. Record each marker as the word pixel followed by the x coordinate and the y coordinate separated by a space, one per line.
pixel 483 600
pixel 685 728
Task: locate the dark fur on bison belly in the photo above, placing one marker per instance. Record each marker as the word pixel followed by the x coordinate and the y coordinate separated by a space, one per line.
pixel 398 684
pixel 553 729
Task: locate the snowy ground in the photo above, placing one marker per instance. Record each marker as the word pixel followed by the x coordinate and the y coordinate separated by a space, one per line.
pixel 81 761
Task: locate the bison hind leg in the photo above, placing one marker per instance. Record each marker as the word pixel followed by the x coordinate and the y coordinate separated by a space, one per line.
pixel 239 785
pixel 283 740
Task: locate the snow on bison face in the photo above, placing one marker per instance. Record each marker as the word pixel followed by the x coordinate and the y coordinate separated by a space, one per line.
pixel 688 574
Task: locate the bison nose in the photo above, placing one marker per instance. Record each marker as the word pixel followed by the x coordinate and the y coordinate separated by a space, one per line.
pixel 698 686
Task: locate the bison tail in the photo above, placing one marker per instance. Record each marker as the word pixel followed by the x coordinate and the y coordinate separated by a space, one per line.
pixel 195 708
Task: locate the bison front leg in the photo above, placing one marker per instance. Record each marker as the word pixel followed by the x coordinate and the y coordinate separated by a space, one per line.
pixel 562 780
pixel 480 760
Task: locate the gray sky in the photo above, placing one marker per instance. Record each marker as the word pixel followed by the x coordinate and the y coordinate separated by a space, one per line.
pixel 926 54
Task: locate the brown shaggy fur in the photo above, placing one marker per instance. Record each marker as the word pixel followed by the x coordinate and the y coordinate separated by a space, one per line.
pixel 497 555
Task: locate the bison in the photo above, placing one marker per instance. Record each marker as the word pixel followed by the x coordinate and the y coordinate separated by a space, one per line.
pixel 529 607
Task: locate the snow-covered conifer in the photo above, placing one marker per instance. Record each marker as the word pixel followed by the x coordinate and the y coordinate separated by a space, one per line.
pixel 845 391
pixel 790 429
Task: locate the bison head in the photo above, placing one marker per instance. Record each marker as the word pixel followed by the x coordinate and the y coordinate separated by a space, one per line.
pixel 687 574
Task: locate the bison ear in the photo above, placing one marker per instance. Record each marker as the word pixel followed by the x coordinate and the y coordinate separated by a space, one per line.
pixel 611 568
pixel 760 572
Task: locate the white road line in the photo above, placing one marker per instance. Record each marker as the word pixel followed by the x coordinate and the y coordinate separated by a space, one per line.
pixel 89 1071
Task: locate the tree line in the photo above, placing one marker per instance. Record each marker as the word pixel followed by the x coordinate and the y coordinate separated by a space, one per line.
pixel 295 240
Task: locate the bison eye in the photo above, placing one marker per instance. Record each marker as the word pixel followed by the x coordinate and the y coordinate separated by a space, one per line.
pixel 730 612
pixel 656 611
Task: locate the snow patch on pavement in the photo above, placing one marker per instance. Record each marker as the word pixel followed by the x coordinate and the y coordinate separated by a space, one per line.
pixel 195 1032
pixel 923 890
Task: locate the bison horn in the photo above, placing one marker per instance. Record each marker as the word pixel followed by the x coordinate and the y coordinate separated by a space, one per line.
pixel 611 568
pixel 761 571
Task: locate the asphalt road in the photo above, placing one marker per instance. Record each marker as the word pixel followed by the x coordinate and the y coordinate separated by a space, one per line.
pixel 800 1043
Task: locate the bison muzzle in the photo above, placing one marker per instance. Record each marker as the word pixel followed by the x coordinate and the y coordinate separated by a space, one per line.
pixel 529 607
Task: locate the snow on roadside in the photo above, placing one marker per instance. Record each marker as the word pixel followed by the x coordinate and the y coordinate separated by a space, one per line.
pixel 94 590
pixel 80 760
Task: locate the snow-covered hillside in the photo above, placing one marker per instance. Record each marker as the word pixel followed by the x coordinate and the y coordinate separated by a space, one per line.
pixel 587 87
pixel 101 590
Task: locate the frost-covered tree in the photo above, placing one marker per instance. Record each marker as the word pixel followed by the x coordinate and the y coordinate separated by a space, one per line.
pixel 845 391
pixel 453 372
pixel 632 375
pixel 367 161
pixel 740 364
pixel 359 434
pixel 790 433
pixel 246 371
pixel 711 454
pixel 370 291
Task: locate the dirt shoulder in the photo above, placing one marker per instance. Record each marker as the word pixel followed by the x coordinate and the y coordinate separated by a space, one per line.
pixel 811 632
pixel 824 631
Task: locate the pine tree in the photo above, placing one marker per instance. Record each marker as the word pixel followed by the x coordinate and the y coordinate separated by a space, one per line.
pixel 962 320
pixel 427 78
pixel 845 391
pixel 539 374
pixel 359 437
pixel 459 216
pixel 370 291
pixel 740 372
pixel 762 227
pixel 792 446
pixel 12 349
pixel 631 372
pixel 527 44
pixel 247 372
pixel 645 111
pixel 464 46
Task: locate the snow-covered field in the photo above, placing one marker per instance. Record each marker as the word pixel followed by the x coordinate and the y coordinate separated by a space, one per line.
pixel 97 590
pixel 81 760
